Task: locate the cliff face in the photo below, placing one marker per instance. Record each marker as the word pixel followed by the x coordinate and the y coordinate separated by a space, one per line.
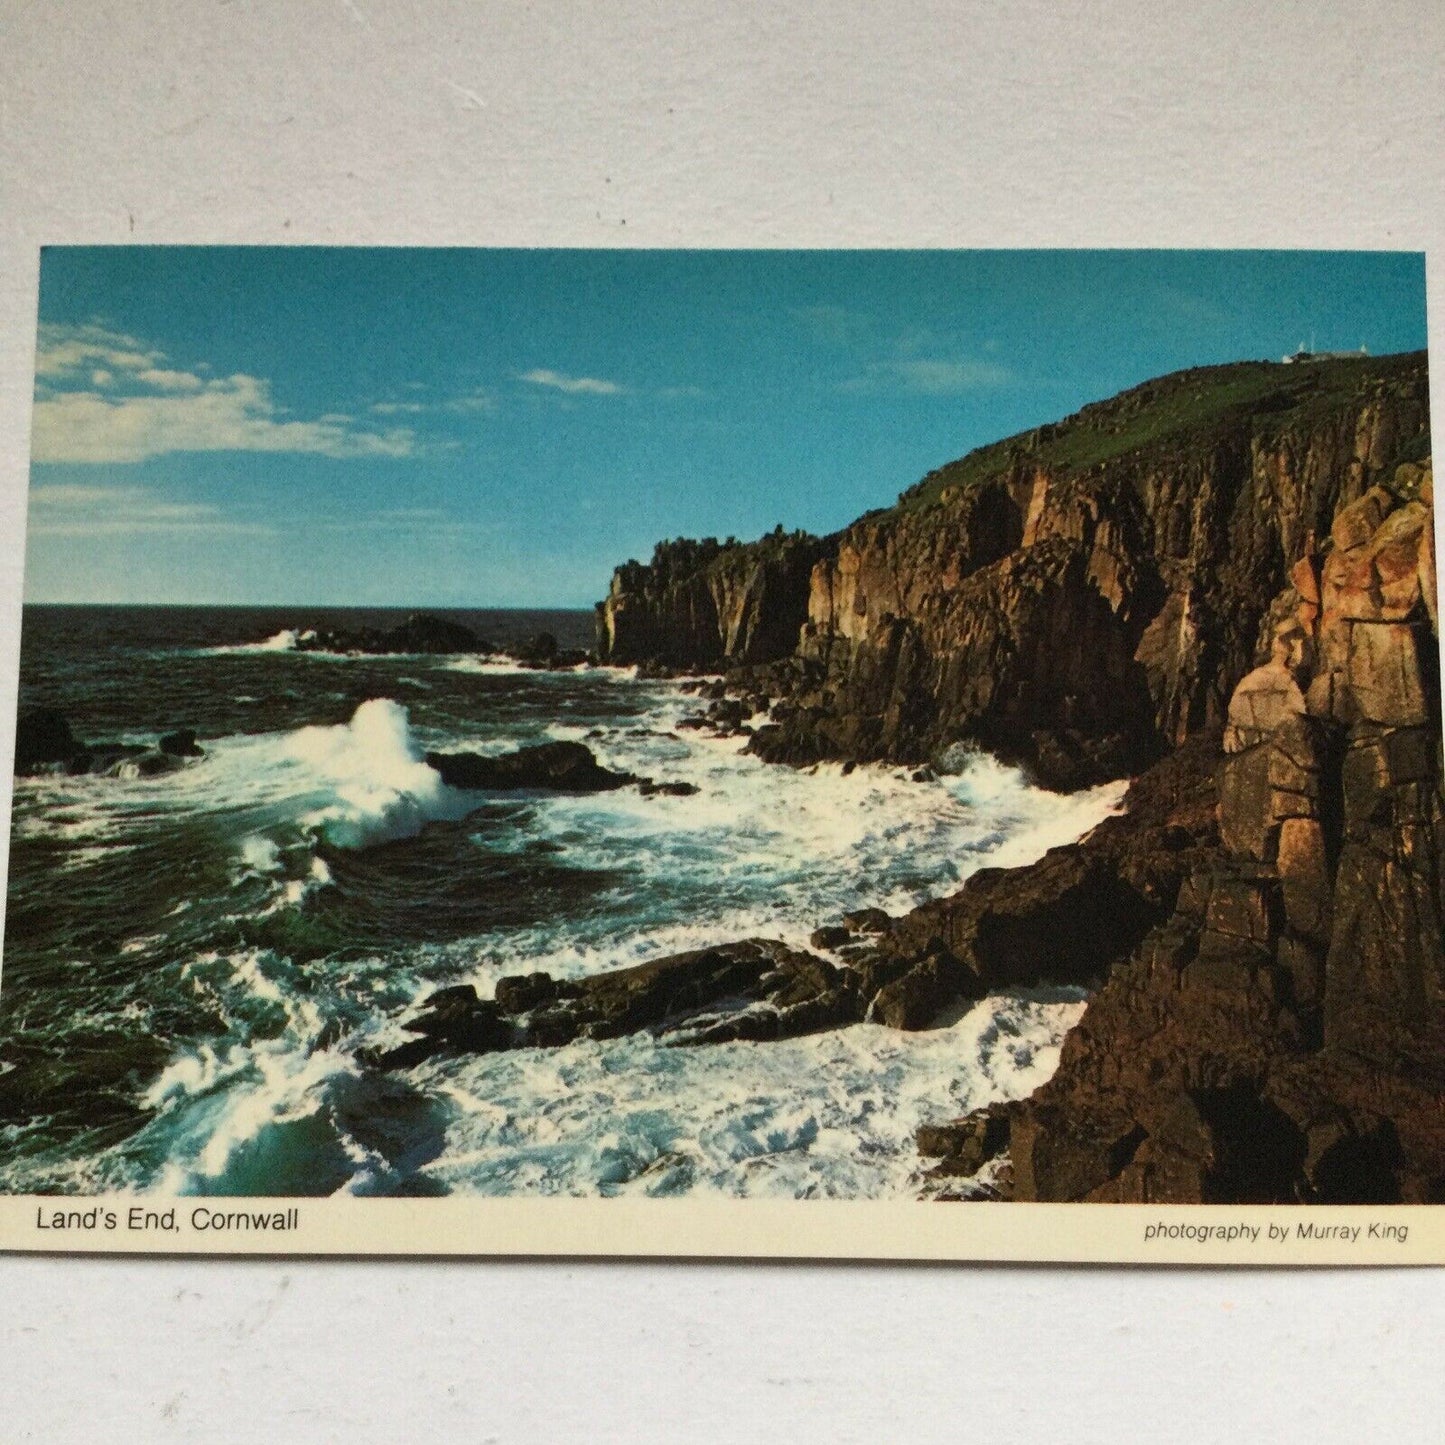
pixel 1087 595
pixel 1273 1029
pixel 708 604
pixel 1080 598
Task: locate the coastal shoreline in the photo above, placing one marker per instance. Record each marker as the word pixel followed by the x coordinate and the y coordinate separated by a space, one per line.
pixel 1221 584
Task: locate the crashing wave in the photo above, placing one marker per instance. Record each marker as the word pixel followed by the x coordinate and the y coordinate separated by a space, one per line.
pixel 380 787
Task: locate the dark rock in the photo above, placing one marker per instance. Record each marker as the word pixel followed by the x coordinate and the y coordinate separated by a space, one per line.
pixel 832 936
pixel 700 604
pixel 871 921
pixel 754 989
pixel 649 789
pixel 730 713
pixel 43 737
pixel 181 744
pixel 916 999
pixel 965 1145
pixel 540 649
pixel 520 993
pixel 150 765
pixel 421 633
pixel 453 1020
pixel 558 767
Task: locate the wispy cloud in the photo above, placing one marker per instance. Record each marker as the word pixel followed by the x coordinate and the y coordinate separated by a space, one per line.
pixel 83 511
pixel 65 350
pixel 103 396
pixel 572 385
pixel 924 360
pixel 928 377
pixel 477 400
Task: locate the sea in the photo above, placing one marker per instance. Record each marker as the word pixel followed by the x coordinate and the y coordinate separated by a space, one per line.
pixel 195 964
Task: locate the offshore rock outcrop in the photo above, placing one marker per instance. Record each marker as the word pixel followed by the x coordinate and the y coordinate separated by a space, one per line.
pixel 45 743
pixel 1280 1034
pixel 420 633
pixel 708 604
pixel 564 767
pixel 755 989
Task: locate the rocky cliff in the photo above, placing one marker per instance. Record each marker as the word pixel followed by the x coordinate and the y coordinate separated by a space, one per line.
pixel 1084 596
pixel 709 604
pixel 1277 1031
pixel 1223 584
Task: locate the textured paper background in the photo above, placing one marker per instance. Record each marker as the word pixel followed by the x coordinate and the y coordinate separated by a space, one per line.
pixel 660 124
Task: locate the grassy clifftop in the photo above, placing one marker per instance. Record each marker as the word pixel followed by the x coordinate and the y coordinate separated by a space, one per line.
pixel 1173 411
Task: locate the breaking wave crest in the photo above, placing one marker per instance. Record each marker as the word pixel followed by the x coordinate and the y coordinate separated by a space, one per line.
pixel 381 788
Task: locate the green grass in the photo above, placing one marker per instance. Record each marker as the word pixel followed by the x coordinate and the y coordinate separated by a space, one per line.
pixel 1166 413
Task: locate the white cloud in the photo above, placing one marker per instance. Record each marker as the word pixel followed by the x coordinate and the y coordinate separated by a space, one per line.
pixel 102 396
pixel 67 495
pixel 929 377
pixel 163 380
pixel 572 385
pixel 65 510
pixel 65 349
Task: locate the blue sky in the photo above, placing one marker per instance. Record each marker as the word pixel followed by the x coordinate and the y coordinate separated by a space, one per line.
pixel 500 428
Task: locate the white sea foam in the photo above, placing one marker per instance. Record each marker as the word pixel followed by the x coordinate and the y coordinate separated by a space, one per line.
pixel 260 855
pixel 381 788
pixel 832 1115
pixel 498 665
pixel 487 666
pixel 287 640
pixel 356 783
pixel 781 850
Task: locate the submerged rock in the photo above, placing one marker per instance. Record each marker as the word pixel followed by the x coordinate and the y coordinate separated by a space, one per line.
pixel 650 789
pixel 180 744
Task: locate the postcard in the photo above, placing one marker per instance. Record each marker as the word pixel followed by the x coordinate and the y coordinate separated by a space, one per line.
pixel 863 754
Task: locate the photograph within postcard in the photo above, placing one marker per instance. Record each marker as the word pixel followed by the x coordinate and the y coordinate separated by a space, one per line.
pixel 915 726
